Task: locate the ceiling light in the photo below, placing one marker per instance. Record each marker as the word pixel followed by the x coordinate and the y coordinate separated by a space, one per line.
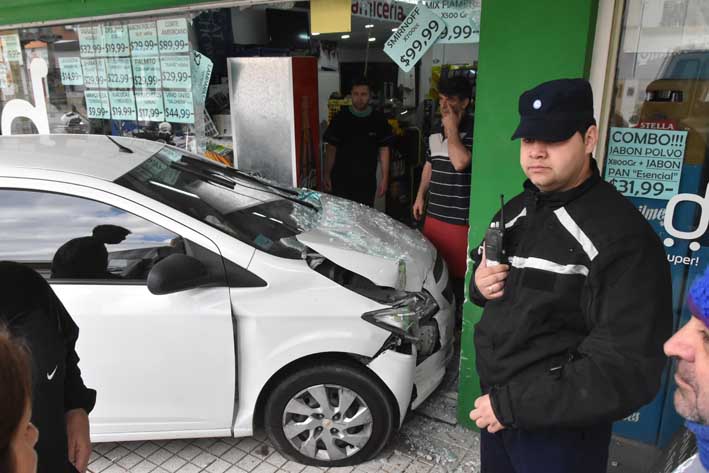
pixel 369 26
pixel 345 36
pixel 314 33
pixel 372 39
pixel 394 29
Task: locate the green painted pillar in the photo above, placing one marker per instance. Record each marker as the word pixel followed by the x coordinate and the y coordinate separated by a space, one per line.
pixel 522 43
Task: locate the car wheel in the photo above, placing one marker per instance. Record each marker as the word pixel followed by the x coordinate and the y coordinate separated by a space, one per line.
pixel 330 414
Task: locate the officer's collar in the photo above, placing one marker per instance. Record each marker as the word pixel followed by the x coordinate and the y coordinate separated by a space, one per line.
pixel 563 197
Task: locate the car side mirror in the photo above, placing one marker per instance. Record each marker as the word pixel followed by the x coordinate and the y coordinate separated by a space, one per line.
pixel 177 272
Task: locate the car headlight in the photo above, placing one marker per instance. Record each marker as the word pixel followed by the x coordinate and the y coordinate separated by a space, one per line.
pixel 403 317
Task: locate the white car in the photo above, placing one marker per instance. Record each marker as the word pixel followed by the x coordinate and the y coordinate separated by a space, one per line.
pixel 233 303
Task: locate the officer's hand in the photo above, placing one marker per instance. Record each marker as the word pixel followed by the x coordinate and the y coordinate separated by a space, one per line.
pixel 327 183
pixel 490 280
pixel 418 208
pixel 483 415
pixel 79 443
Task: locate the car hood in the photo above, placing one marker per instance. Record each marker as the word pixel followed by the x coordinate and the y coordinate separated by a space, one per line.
pixel 371 244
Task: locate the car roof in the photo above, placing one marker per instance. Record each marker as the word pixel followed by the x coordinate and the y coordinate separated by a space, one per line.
pixel 89 155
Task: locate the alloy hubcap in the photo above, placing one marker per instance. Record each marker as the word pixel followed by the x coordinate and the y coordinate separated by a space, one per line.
pixel 327 422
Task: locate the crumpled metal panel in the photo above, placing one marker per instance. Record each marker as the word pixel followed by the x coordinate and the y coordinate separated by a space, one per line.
pixel 262 117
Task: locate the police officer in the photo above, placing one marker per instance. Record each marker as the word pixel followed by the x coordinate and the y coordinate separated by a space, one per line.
pixel 357 137
pixel 571 336
pixel 61 402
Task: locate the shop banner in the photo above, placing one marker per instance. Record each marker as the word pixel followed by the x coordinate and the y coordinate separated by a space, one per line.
pixel 70 71
pixel 143 39
pixel 381 10
pixel 115 40
pixel 12 48
pixel 146 73
pixel 176 72
pixel 179 107
pixel 122 104
pixel 416 34
pixel 97 104
pixel 90 41
pixel 201 73
pixel 462 20
pixel 150 106
pixel 172 36
pixel 120 74
pixel 645 163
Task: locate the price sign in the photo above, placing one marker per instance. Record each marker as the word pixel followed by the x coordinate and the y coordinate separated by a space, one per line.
pixel 88 67
pixel 12 48
pixel 143 39
pixel 416 34
pixel 3 76
pixel 201 73
pixel 122 104
pixel 176 72
pixel 115 40
pixel 90 41
pixel 150 106
pixel 462 21
pixel 97 104
pixel 146 73
pixel 119 73
pixel 101 72
pixel 645 163
pixel 172 36
pixel 179 107
pixel 70 71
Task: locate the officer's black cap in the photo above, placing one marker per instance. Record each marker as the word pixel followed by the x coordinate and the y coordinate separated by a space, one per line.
pixel 555 110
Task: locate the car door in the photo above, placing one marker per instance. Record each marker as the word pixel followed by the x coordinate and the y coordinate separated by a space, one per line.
pixel 163 365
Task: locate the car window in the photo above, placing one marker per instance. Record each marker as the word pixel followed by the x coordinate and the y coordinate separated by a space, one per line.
pixel 72 238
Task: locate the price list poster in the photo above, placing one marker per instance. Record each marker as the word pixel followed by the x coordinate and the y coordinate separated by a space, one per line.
pixel 138 71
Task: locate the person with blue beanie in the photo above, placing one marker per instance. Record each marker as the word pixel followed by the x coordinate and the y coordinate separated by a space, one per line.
pixel 690 348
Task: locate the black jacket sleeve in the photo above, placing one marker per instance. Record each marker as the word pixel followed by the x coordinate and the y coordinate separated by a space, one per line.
pixel 76 394
pixel 627 301
pixel 334 131
pixel 476 297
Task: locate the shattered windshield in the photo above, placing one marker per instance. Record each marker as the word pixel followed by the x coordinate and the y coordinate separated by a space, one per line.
pixel 257 212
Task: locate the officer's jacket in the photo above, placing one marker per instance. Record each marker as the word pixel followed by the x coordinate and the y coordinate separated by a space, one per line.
pixel 32 312
pixel 577 337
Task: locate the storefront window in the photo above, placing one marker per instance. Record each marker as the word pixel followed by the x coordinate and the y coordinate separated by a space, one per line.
pixel 657 152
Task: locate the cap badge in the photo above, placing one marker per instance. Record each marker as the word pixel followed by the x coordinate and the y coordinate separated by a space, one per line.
pixel 537 104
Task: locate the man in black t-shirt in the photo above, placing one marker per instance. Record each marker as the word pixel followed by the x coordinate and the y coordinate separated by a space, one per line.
pixel 356 138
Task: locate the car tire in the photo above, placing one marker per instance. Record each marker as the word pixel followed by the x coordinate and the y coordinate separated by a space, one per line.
pixel 343 383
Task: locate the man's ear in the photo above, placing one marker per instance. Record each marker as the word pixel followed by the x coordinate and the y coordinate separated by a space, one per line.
pixel 590 139
pixel 466 102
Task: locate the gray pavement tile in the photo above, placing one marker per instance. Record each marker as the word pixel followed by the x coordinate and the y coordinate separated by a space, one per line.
pixel 248 443
pixel 130 460
pixel 260 436
pixel 204 459
pixel 159 456
pixel 418 466
pixel 248 463
pixel 218 466
pixel 176 445
pixel 117 453
pixel 189 452
pixel 104 448
pixel 147 449
pixel 263 451
pixel 231 440
pixel 205 443
pixel 459 436
pixel 174 464
pixel 218 448
pixel 278 460
pixel 114 469
pixel 264 468
pixel 159 470
pixel 396 463
pixel 143 467
pixel 133 445
pixel 312 469
pixel 190 468
pixel 233 455
pixel 340 469
pixel 235 469
pixel 292 467
pixel 94 456
pixel 99 464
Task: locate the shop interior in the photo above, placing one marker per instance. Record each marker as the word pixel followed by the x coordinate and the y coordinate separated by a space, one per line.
pixel 324 64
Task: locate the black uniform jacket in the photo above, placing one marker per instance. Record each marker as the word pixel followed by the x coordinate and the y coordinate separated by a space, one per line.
pixel 576 339
pixel 32 311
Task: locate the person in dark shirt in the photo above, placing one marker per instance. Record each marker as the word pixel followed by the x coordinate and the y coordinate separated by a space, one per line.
pixel 356 138
pixel 87 257
pixel 61 402
pixel 446 179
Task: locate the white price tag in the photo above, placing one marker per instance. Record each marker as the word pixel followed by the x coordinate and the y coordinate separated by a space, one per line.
pixel 150 106
pixel 172 36
pixel 176 72
pixel 122 104
pixel 12 48
pixel 97 104
pixel 414 36
pixel 115 40
pixel 462 20
pixel 90 41
pixel 179 107
pixel 119 73
pixel 70 71
pixel 146 73
pixel 143 39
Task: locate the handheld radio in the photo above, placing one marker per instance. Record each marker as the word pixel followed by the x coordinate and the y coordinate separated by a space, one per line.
pixel 495 238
